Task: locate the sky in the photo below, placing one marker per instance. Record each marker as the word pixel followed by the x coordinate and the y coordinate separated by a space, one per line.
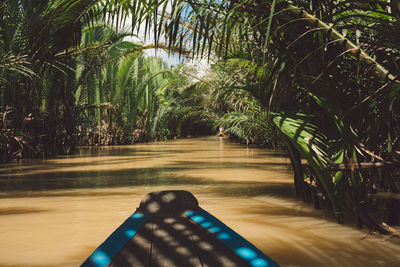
pixel 170 58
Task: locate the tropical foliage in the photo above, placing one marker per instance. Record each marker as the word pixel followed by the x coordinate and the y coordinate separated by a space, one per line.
pixel 329 78
pixel 77 80
pixel 234 99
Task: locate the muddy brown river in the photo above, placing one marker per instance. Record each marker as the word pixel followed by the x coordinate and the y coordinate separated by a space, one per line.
pixel 55 212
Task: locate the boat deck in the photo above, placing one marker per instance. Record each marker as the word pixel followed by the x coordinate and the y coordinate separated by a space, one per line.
pixel 175 241
pixel 170 229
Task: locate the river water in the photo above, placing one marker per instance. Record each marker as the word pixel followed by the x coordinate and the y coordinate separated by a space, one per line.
pixel 57 211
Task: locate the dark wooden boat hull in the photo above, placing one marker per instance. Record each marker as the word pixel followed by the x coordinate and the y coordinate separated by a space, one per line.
pixel 185 235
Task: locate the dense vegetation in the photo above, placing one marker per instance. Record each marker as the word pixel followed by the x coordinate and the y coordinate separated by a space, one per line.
pixel 70 78
pixel 319 77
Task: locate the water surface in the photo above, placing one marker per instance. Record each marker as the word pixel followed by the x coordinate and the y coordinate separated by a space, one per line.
pixel 57 211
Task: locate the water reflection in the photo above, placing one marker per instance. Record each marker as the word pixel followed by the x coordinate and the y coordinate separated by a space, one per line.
pixel 56 212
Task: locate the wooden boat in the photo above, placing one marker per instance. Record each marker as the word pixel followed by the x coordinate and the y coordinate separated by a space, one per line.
pixel 170 229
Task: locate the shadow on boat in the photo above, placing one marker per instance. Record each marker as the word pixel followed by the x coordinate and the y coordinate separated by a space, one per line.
pixel 170 229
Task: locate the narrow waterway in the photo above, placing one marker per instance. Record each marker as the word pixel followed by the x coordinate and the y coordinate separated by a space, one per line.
pixel 56 212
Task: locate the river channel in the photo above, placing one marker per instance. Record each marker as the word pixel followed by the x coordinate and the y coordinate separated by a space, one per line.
pixel 55 212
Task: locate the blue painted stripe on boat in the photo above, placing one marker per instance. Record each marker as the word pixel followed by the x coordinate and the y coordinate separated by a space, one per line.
pixel 231 239
pixel 104 254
